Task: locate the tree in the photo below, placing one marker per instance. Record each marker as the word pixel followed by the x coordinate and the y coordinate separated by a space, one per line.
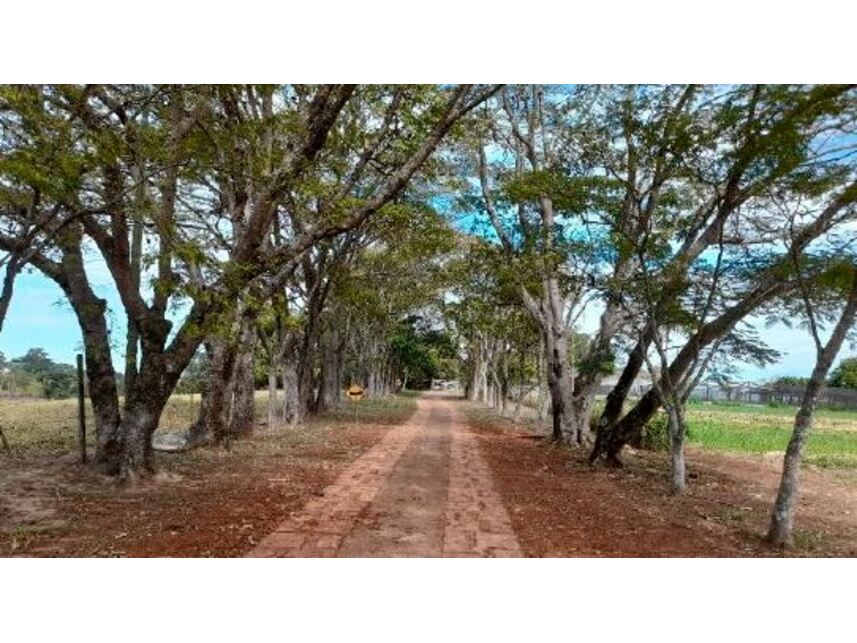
pixel 35 361
pixel 530 221
pixel 845 277
pixel 208 155
pixel 35 373
pixel 761 147
pixel 497 339
pixel 59 381
pixel 844 375
pixel 415 353
pixel 790 380
pixel 656 321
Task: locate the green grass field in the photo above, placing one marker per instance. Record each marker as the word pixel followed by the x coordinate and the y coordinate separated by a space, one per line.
pixel 762 429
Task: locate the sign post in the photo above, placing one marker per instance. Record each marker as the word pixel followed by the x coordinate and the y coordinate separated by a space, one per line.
pixel 355 394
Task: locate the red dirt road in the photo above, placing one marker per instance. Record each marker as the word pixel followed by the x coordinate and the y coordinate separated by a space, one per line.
pixel 424 490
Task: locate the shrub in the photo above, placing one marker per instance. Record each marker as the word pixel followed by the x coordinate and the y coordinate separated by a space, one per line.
pixel 656 433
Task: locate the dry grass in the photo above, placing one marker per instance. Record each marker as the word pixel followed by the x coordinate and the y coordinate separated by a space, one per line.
pixel 49 427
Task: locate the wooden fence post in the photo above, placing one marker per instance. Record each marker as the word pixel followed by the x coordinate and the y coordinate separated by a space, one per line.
pixel 81 410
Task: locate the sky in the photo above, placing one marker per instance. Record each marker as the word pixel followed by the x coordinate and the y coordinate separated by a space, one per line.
pixel 795 344
pixel 39 316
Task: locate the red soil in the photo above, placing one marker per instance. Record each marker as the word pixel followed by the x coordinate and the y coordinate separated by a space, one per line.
pixel 562 507
pixel 208 502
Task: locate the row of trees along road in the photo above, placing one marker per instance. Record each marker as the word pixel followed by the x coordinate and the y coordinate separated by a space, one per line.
pixel 676 213
pixel 291 231
pixel 209 200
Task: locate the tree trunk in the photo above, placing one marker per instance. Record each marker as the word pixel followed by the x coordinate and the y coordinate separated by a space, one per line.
pixel 160 371
pixel 90 311
pixel 581 415
pixel 549 315
pixel 132 341
pixel 559 385
pixel 13 267
pixel 504 384
pixel 616 398
pixel 341 345
pixel 476 392
pixel 615 404
pixel 141 417
pixel 328 392
pixel 543 397
pixel 138 426
pixel 69 274
pixel 677 433
pixel 103 393
pixel 782 517
pixel 306 366
pixel 244 383
pixel 212 398
pixel 291 395
pixel 272 397
pixel 519 397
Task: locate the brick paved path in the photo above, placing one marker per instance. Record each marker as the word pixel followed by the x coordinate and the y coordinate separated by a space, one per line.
pixel 424 490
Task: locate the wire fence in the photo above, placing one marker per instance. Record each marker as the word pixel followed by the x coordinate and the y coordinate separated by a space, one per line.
pixel 830 397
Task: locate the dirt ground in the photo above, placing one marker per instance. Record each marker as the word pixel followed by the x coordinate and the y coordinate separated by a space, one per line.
pixel 451 479
pixel 208 502
pixel 560 506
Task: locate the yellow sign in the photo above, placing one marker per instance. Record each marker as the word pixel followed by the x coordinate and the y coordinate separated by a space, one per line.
pixel 354 393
